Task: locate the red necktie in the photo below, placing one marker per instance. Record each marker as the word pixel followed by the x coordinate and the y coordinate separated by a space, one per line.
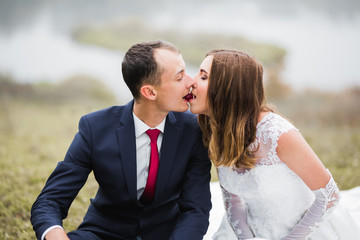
pixel 149 192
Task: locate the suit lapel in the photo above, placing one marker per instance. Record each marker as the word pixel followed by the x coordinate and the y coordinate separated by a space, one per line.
pixel 127 145
pixel 168 150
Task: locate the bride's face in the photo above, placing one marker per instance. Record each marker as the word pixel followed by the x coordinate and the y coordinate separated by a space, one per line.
pixel 199 103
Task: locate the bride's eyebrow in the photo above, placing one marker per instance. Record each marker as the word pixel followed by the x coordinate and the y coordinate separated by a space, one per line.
pixel 203 71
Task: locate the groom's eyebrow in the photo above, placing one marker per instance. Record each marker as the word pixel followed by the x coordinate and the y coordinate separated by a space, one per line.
pixel 179 72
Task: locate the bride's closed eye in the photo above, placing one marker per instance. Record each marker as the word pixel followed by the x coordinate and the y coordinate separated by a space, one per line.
pixel 204 76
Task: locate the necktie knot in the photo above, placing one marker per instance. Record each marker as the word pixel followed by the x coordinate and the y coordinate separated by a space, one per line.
pixel 153 134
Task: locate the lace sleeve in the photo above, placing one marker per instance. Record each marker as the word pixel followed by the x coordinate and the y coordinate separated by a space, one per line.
pixel 236 212
pixel 325 201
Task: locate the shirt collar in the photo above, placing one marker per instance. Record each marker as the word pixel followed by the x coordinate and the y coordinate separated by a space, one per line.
pixel 141 127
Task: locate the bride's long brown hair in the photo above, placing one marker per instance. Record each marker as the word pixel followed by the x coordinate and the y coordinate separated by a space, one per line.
pixel 235 98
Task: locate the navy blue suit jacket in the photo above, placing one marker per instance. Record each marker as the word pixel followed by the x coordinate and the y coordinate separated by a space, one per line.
pixel 105 144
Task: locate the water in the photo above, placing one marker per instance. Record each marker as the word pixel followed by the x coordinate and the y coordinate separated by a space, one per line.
pixel 40 54
pixel 322 48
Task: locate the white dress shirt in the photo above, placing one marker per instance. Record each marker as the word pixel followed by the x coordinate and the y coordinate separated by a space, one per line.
pixel 143 150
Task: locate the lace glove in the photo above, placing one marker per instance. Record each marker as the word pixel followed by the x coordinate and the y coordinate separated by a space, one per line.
pixel 325 201
pixel 236 210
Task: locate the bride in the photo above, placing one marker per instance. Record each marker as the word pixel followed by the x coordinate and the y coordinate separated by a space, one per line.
pixel 273 185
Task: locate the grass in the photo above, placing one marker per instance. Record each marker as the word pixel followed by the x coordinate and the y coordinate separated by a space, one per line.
pixel 36 129
pixel 33 139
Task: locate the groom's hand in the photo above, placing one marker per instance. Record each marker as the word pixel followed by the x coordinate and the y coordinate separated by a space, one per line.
pixel 56 234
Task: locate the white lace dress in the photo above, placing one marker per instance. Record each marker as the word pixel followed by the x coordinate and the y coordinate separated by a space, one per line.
pixel 274 198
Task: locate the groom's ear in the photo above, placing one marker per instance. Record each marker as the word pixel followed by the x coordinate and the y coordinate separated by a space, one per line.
pixel 148 91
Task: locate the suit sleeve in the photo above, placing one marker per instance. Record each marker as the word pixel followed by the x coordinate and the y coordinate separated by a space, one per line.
pixel 195 202
pixel 63 185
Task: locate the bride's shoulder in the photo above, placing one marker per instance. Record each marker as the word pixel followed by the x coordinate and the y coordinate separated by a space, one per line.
pixel 271 122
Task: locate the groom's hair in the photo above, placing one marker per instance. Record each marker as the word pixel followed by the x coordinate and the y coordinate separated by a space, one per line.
pixel 139 66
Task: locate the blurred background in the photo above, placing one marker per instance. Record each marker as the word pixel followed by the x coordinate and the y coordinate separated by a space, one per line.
pixel 60 59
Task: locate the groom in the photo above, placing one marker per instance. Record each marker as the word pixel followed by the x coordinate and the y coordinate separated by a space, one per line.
pixel 152 184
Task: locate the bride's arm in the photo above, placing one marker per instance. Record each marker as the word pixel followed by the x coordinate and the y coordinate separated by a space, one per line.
pixel 296 153
pixel 236 214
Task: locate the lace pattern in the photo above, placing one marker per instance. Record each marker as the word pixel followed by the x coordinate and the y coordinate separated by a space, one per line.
pixel 236 214
pixel 326 200
pixel 268 131
pixel 278 204
pixel 330 195
pixel 228 206
pixel 270 193
pixel 270 189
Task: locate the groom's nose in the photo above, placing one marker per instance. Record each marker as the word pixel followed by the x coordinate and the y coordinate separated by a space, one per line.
pixel 189 81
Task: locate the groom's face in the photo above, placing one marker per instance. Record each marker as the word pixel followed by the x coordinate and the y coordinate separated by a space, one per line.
pixel 175 83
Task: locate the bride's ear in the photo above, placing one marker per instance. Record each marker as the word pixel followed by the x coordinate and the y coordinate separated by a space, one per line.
pixel 148 91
